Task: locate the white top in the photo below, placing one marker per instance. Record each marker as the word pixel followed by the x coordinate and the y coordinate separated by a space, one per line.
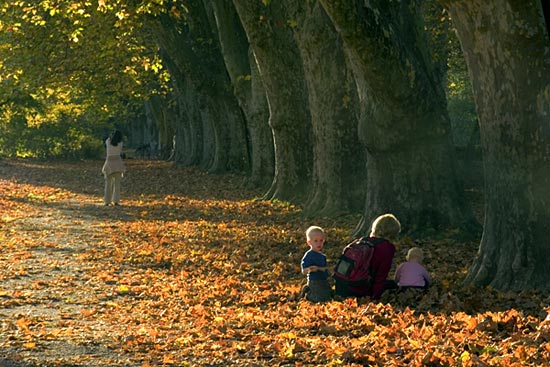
pixel 113 162
pixel 111 149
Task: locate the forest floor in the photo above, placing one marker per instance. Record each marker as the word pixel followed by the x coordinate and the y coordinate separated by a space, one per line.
pixel 195 270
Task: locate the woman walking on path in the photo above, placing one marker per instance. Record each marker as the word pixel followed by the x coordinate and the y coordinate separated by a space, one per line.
pixel 113 169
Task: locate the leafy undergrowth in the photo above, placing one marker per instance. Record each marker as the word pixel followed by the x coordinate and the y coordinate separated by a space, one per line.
pixel 194 270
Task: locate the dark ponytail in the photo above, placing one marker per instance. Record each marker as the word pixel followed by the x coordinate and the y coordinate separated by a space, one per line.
pixel 116 137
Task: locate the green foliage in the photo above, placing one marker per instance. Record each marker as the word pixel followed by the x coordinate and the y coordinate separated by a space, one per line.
pixel 447 54
pixel 69 68
pixel 62 137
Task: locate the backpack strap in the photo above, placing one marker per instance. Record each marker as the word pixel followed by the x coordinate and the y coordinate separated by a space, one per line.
pixel 376 240
pixel 365 241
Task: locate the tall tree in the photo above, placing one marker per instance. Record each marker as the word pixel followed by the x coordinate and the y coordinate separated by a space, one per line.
pixel 279 62
pixel 506 46
pixel 404 122
pixel 339 158
pixel 188 37
pixel 249 90
pixel 192 147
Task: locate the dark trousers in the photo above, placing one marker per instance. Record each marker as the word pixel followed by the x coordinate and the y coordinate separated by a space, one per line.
pixel 318 291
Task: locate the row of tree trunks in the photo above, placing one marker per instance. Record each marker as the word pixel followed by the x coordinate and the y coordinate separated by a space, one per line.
pixel 193 48
pixel 318 159
pixel 507 50
pixel 312 103
pixel 160 137
pixel 392 108
pixel 189 129
pixel 249 91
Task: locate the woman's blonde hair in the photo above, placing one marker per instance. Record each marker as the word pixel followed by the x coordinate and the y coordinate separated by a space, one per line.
pixel 415 254
pixel 385 226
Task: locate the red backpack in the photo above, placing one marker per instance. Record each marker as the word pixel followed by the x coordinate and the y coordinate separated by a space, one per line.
pixel 352 272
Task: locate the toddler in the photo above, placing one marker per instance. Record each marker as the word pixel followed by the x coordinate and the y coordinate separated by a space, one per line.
pixel 411 274
pixel 314 265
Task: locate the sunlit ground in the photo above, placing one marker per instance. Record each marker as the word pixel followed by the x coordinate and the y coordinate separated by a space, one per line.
pixel 195 270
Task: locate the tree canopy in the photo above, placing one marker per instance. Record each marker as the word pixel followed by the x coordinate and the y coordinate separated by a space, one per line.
pixel 71 65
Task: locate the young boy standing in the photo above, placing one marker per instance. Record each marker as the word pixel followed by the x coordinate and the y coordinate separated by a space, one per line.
pixel 314 265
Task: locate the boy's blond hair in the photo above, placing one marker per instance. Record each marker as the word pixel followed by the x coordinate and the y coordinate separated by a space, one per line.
pixel 385 226
pixel 415 254
pixel 314 230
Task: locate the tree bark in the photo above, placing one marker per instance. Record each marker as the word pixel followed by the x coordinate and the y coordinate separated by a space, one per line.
pixel 190 147
pixel 506 47
pixel 282 74
pixel 160 130
pixel 404 122
pixel 194 50
pixel 249 90
pixel 339 157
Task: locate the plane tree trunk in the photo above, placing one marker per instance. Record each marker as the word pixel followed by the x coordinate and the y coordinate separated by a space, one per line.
pixel 506 46
pixel 339 158
pixel 249 90
pixel 404 122
pixel 281 70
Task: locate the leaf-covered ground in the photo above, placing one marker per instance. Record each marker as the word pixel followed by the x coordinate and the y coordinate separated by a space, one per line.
pixel 194 270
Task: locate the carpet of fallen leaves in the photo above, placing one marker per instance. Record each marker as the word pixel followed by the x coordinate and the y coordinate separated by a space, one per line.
pixel 195 270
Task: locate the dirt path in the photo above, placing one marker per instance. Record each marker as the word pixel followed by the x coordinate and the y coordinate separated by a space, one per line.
pixel 46 319
pixel 82 284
